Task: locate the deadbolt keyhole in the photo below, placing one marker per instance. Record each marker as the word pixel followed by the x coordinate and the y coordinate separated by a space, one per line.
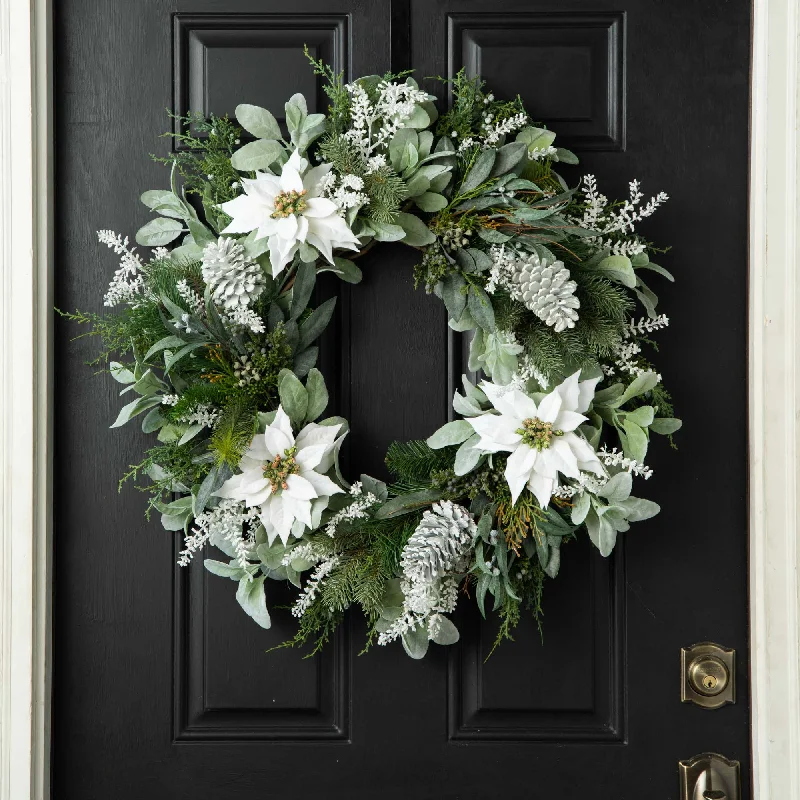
pixel 710 682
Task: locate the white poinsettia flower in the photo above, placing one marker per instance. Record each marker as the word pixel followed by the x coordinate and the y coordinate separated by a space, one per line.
pixel 283 476
pixel 288 209
pixel 540 437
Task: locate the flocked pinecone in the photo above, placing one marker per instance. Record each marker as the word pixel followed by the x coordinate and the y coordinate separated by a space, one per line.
pixel 235 281
pixel 440 545
pixel 547 291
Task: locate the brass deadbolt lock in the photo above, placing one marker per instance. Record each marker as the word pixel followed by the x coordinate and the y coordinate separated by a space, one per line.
pixel 707 675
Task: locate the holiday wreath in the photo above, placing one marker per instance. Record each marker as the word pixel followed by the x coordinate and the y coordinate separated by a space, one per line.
pixel 216 345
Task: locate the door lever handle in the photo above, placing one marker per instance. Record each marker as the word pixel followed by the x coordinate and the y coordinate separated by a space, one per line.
pixel 709 777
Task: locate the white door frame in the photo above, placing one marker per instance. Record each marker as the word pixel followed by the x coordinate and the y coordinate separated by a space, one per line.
pixel 26 258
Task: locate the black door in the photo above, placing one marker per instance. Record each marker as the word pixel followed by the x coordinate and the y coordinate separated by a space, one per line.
pixel 163 688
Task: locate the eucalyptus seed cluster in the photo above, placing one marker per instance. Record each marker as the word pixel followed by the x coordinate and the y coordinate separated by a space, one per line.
pixel 433 267
pixel 246 370
pixel 483 480
pixel 454 237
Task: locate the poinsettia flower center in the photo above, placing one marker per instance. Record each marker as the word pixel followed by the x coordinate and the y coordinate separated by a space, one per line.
pixel 280 468
pixel 538 434
pixel 289 203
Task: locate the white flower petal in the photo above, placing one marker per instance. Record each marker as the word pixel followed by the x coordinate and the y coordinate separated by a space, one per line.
pixel 524 407
pixel 568 420
pixel 286 228
pixel 276 257
pixel 585 455
pixel 516 483
pixel 521 461
pixel 246 214
pixel 329 458
pixel 257 451
pixel 586 391
pixel 322 484
pixel 283 424
pixel 290 179
pixel 322 244
pixel 299 488
pixel 259 498
pixel 497 432
pixel 297 162
pixel 309 457
pixel 568 462
pixel 253 482
pixel 314 434
pixel 263 188
pixel 313 178
pixel 319 207
pixel 549 407
pixel 280 518
pixel 568 390
pixel 302 229
pixel 297 508
pixel 501 399
pixel 230 489
pixel 277 441
pixel 542 489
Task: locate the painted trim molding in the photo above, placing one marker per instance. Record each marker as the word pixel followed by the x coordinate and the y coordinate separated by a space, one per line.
pixel 26 253
pixel 774 371
pixel 25 368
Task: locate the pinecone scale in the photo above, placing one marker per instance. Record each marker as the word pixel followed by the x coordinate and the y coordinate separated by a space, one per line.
pixel 546 289
pixel 235 281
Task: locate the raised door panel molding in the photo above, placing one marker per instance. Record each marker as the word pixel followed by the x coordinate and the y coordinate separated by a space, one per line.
pixel 570 687
pixel 221 60
pixel 228 687
pixel 577 58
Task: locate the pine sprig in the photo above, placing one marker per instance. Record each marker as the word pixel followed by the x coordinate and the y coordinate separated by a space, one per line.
pixel 413 462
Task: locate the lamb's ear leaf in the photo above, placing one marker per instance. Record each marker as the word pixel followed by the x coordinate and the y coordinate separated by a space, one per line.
pixel 480 307
pixel 618 487
pixel 344 268
pixel 406 503
pixel 480 171
pixel 417 232
pixel 258 121
pixel 453 295
pixel 224 570
pixel 415 642
pixel 508 157
pixel 304 280
pixel 317 395
pixel 294 397
pixel 315 324
pixel 451 433
pixel 447 633
pixel 218 474
pixel 256 155
pixel 158 232
pixel 250 596
pixel 665 425
pixel 304 361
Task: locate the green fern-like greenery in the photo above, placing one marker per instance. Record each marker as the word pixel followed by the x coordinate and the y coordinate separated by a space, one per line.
pixel 205 164
pixel 345 157
pixel 369 552
pixel 233 432
pixel 411 463
pixel 386 192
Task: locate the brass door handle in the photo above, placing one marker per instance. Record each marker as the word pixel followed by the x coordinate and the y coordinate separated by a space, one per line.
pixel 709 777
